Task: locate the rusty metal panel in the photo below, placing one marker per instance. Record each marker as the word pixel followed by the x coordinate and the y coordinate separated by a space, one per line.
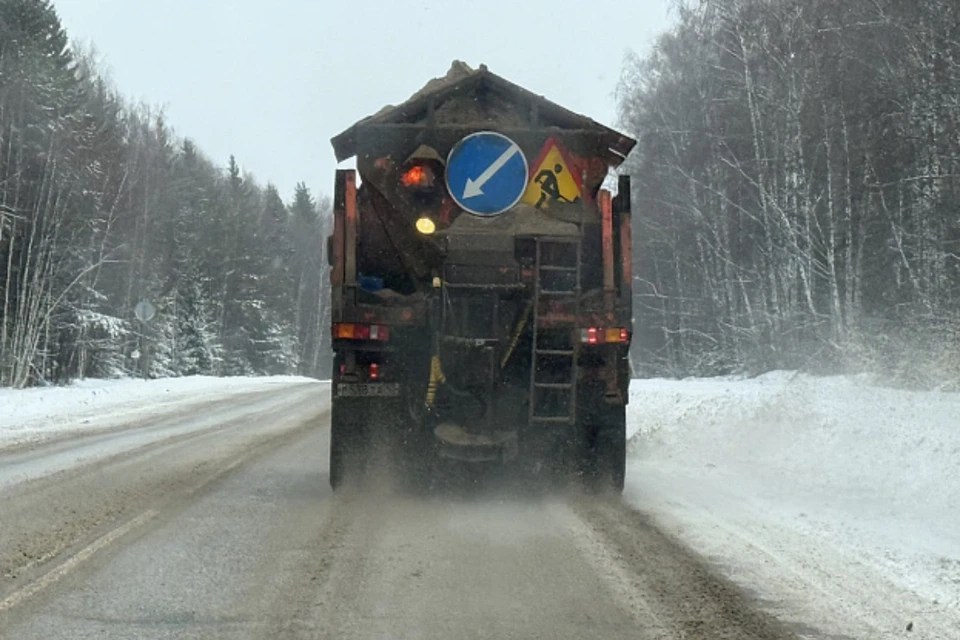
pixel 336 273
pixel 351 220
pixel 626 277
pixel 606 232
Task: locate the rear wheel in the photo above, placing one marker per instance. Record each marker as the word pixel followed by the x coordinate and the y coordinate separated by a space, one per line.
pixel 606 459
pixel 347 445
pixel 372 440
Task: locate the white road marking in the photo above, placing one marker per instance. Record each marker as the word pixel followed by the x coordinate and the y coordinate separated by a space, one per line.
pixel 70 565
pixel 35 587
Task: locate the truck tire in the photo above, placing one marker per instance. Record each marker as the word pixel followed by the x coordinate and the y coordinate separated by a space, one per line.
pixel 346 442
pixel 606 463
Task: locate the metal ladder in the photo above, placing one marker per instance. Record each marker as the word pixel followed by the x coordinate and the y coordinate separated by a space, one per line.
pixel 556 344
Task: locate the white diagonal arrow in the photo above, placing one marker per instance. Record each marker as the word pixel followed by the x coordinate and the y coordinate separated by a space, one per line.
pixel 475 187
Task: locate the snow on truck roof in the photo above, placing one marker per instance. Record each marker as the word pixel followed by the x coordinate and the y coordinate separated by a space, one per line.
pixel 461 81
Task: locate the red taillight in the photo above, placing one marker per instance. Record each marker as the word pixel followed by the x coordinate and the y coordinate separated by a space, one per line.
pixel 623 334
pixel 592 335
pixel 354 331
pixel 374 371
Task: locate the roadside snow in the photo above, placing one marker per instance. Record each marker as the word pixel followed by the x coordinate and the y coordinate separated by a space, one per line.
pixel 838 501
pixel 32 415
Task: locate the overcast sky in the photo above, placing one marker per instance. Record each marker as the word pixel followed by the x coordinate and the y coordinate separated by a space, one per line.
pixel 272 81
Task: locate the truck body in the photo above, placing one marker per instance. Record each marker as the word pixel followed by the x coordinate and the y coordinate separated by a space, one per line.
pixel 473 330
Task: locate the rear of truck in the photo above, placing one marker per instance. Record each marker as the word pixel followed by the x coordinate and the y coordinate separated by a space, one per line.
pixel 479 337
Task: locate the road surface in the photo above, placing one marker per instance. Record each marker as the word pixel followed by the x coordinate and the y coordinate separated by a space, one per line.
pixel 217 521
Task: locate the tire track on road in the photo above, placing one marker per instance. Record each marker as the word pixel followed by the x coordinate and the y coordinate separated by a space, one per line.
pixel 560 566
pixel 54 516
pixel 24 463
pixel 677 585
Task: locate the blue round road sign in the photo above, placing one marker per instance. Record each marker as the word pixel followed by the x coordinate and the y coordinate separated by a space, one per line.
pixel 486 173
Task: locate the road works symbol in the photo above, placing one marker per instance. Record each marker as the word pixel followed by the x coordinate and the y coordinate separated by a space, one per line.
pixel 555 177
pixel 486 173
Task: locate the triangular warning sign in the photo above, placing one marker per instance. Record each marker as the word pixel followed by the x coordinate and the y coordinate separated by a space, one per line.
pixel 553 177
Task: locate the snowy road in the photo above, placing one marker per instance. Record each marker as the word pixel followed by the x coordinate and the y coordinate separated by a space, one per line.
pixel 835 500
pixel 210 516
pixel 216 521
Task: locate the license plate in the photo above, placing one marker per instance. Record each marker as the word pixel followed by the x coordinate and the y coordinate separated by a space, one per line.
pixel 356 390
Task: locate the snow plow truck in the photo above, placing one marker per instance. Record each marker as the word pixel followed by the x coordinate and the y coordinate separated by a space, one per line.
pixel 481 287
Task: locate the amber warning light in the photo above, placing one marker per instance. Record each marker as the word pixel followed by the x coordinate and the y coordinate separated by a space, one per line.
pixel 426 226
pixel 352 331
pixel 596 335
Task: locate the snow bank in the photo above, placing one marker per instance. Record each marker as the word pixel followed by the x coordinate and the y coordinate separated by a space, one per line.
pixel 30 415
pixel 830 432
pixel 749 470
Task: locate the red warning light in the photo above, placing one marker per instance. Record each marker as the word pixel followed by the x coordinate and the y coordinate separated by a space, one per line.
pixel 419 175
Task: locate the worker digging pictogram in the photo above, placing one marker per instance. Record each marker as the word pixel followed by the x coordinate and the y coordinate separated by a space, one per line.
pixel 552 179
